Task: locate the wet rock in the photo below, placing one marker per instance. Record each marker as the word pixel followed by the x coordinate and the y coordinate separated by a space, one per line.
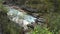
pixel 40 21
pixel 35 15
pixel 29 9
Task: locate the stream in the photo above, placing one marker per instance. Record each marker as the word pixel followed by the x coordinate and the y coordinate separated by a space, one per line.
pixel 22 18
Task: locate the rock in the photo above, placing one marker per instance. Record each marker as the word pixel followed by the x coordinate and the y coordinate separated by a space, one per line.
pixel 29 9
pixel 35 14
pixel 40 20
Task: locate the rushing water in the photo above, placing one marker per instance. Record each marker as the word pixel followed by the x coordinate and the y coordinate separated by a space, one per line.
pixel 20 17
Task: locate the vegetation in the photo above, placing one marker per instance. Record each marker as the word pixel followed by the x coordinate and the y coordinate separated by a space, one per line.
pixel 50 10
pixel 40 30
pixel 8 27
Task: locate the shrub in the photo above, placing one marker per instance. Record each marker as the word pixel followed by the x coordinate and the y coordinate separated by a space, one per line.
pixel 40 30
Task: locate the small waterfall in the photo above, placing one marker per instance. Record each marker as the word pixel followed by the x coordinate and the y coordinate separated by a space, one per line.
pixel 20 17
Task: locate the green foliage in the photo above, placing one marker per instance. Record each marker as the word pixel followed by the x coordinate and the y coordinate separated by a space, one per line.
pixel 40 30
pixel 2 8
pixel 12 29
pixel 45 6
pixel 8 26
pixel 54 20
pixel 53 9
